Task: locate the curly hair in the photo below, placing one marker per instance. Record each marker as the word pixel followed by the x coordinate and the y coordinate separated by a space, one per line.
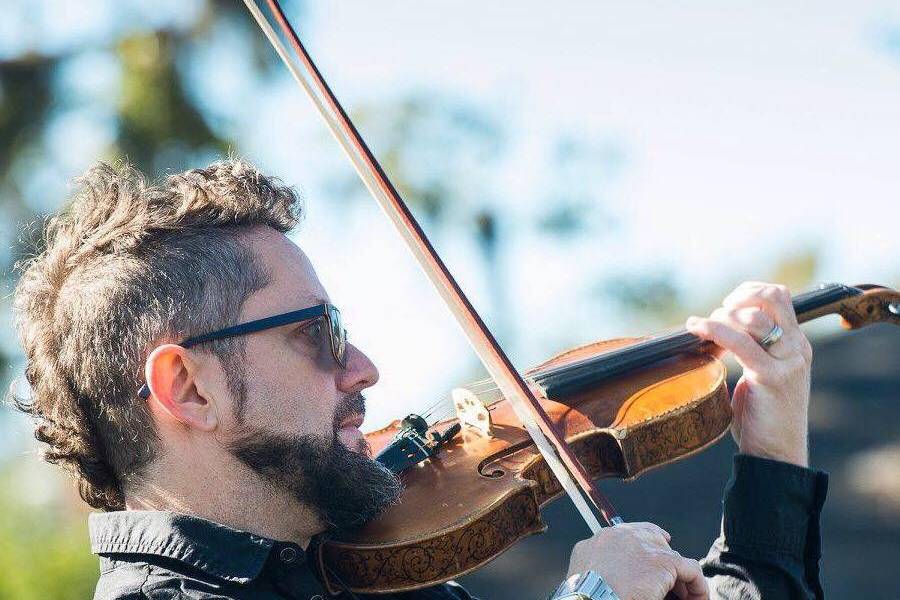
pixel 126 266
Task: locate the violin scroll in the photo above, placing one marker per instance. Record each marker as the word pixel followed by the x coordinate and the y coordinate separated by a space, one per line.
pixel 876 304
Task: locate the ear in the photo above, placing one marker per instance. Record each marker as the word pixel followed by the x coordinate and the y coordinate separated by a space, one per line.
pixel 170 374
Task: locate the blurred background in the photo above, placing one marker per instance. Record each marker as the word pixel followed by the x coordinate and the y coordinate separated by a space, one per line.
pixel 588 171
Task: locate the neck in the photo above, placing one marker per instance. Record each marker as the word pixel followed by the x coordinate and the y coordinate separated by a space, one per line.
pixel 568 379
pixel 238 499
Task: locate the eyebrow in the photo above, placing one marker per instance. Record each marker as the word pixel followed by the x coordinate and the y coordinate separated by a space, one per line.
pixel 303 302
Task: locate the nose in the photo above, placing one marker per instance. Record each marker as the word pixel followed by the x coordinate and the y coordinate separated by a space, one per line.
pixel 359 373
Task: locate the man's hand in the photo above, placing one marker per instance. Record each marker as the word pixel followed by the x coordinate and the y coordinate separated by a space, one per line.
pixel 637 563
pixel 771 400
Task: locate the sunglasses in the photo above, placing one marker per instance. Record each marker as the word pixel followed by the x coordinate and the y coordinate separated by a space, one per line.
pixel 337 335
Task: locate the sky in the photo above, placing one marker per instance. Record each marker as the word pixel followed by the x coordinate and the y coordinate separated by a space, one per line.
pixel 749 131
pixel 745 131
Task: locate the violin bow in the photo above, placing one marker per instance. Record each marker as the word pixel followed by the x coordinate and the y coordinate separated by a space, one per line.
pixel 590 502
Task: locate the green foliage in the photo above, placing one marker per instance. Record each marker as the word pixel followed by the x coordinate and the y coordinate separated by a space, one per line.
pixel 155 114
pixel 44 550
pixel 797 270
pixel 441 152
pixel 654 296
pixel 25 93
pixel 156 122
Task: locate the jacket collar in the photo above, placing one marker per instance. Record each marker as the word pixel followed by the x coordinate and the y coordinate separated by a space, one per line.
pixel 218 550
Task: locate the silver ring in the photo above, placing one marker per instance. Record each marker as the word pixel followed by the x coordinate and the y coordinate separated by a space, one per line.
pixel 772 337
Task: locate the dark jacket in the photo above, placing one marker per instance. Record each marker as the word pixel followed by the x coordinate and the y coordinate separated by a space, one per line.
pixel 769 549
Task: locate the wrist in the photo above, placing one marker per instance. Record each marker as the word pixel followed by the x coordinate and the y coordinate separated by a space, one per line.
pixel 584 586
pixel 796 454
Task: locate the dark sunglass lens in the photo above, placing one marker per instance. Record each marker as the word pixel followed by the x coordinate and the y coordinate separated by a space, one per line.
pixel 338 336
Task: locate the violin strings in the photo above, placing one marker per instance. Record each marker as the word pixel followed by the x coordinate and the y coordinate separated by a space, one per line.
pixel 443 408
pixel 429 410
pixel 440 404
pixel 442 416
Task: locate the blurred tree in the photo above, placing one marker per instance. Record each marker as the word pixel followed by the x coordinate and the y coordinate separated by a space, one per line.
pixel 25 85
pixel 580 171
pixel 154 113
pixel 447 156
pixel 656 296
pixel 156 119
pixel 157 123
pixel 444 156
pixel 653 296
pixel 43 553
pixel 797 270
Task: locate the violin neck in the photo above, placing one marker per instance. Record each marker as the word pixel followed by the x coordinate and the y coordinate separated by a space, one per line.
pixel 565 380
pixel 824 300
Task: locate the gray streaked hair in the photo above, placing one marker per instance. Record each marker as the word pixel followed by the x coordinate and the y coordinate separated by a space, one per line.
pixel 124 267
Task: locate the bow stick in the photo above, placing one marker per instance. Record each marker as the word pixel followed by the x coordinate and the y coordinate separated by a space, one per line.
pixel 589 501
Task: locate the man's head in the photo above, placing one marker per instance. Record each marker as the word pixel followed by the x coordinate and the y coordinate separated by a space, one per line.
pixel 127 271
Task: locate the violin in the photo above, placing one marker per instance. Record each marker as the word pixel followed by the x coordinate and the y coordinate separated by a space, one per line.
pixel 475 482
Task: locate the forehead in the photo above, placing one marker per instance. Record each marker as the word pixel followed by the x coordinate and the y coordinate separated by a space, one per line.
pixel 293 283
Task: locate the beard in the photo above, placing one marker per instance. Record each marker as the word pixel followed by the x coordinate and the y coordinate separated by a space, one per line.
pixel 345 488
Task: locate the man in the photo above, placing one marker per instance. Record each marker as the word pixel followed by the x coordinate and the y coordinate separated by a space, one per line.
pixel 220 441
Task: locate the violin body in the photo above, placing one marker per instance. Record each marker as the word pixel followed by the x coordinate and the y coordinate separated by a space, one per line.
pixel 481 494
pixel 623 406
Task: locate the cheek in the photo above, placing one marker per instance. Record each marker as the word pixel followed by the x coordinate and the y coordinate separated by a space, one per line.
pixel 290 394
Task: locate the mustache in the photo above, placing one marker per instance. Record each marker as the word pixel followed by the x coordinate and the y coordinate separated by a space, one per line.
pixel 353 404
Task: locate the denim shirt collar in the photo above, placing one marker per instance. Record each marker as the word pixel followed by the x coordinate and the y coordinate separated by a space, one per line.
pixel 215 549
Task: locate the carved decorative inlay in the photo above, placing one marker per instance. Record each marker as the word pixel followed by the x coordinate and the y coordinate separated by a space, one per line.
pixel 679 434
pixel 440 558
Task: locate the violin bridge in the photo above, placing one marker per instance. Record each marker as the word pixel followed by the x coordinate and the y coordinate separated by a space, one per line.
pixel 472 412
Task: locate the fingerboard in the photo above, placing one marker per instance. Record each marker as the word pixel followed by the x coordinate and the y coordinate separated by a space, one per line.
pixel 565 380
